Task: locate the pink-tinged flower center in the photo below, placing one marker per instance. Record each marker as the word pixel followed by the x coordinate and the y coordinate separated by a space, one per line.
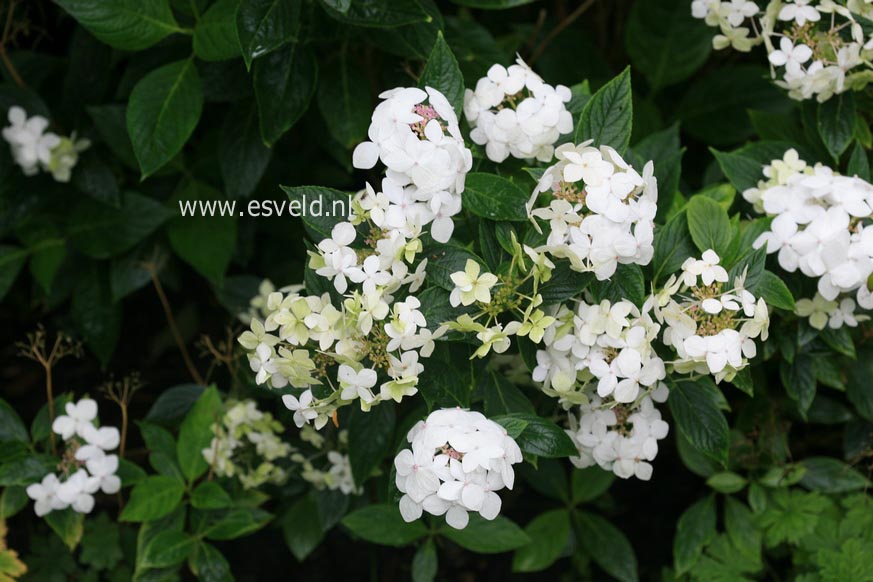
pixel 451 453
pixel 427 113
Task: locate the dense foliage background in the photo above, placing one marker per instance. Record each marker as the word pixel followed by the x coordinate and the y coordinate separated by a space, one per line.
pixel 203 100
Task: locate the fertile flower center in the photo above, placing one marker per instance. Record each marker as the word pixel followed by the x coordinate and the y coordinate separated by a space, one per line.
pixel 450 452
pixel 427 113
pixel 569 191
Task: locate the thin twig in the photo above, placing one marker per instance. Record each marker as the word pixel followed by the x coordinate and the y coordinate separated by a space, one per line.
pixel 559 29
pixel 171 321
pixel 7 62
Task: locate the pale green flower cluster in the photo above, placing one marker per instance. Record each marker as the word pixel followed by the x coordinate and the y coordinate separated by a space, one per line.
pixel 247 445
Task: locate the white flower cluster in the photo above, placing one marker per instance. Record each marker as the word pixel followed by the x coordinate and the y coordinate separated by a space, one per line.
pixel 620 438
pixel 820 227
pixel 339 353
pixel 815 47
pixel 513 112
pixel 712 329
pixel 600 348
pixel 600 357
pixel 415 134
pixel 246 445
pixel 85 467
pixel 601 211
pixel 35 149
pixel 458 461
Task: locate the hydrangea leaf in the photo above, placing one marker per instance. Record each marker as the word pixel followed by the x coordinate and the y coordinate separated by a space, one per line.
pixel 131 25
pixel 442 73
pixel 265 25
pixel 548 533
pixel 607 117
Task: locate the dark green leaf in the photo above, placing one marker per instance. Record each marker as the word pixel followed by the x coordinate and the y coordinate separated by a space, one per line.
pixel 494 197
pixel 442 73
pixel 540 437
pixel 695 408
pixel 164 109
pixel 265 25
pixel 167 548
pixel 153 498
pixel 370 437
pixel 695 529
pixel 215 36
pixel 709 225
pixel 284 83
pixel 425 563
pixel 665 43
pixel 196 433
pixel 608 116
pixel 836 123
pixel 607 546
pixel 488 537
pixel 242 153
pixel 344 100
pixel 830 475
pixel 382 524
pixel 301 527
pixel 125 24
pixel 548 533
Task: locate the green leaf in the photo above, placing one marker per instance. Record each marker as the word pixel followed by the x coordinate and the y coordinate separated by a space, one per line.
pixel 425 563
pixel 96 317
pixel 799 381
pixel 859 389
pixel 695 408
pixel 447 389
pixel 370 437
pixel 502 396
pixel 320 208
pixel 836 123
pixel 539 437
pixel 95 178
pixel 727 482
pixel 607 546
pixel 548 534
pixel 284 83
pixel 494 197
pixel 590 483
pixel 564 284
pixel 12 500
pixel 547 477
pixel 129 473
pixel 153 498
pixel 27 470
pixel 101 544
pixel 241 152
pixel 714 108
pixel 164 109
pixel 110 123
pixel 790 515
pixel 608 116
pixel 775 292
pixel 344 100
pixel 665 43
pixel 830 475
pixel 196 433
pixel 488 537
pixel 626 283
pixel 859 165
pixel 11 427
pixel 168 548
pixel 742 171
pixel 492 4
pixel 100 231
pixel 265 25
pixel 210 495
pixel 442 73
pixel 694 530
pixel 709 225
pixel 301 527
pixel 673 245
pixel 740 527
pixel 11 260
pixel 131 25
pixel 235 523
pixel 205 242
pixel 174 403
pixel 382 524
pixel 68 524
pixel 215 36
pixel 209 565
pixel 381 13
